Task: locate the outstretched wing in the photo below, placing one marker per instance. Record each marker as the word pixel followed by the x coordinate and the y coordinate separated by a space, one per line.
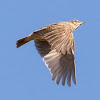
pixel 60 65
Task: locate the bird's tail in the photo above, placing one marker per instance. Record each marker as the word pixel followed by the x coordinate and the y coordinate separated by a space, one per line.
pixel 26 39
pixel 22 41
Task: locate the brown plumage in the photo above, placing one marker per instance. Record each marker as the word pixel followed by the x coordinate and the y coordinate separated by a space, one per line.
pixel 55 43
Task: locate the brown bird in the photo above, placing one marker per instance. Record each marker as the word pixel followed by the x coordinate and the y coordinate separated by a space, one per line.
pixel 55 44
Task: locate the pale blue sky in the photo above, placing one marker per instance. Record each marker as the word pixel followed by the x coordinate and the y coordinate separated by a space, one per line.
pixel 23 75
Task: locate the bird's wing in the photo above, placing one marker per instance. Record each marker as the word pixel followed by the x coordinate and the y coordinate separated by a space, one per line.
pixel 58 36
pixel 61 40
pixel 43 47
pixel 60 65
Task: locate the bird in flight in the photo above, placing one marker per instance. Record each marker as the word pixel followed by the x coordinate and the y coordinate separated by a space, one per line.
pixel 55 44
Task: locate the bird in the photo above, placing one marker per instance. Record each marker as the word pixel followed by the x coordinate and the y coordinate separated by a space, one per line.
pixel 55 44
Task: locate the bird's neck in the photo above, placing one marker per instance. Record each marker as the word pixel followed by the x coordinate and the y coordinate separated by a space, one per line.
pixel 73 27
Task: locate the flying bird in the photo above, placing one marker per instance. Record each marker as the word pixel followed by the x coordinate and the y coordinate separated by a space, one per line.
pixel 55 44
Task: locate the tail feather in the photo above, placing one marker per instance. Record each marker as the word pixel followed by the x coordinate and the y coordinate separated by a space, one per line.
pixel 22 41
pixel 26 39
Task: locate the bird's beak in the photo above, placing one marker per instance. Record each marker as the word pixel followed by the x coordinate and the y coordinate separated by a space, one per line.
pixel 82 22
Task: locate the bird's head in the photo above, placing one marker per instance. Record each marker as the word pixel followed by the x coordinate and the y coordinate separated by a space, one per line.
pixel 75 24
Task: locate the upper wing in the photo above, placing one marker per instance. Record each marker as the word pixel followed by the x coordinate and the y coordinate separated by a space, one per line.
pixel 61 41
pixel 59 36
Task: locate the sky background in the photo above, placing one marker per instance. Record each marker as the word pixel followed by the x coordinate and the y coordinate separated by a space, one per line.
pixel 23 75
